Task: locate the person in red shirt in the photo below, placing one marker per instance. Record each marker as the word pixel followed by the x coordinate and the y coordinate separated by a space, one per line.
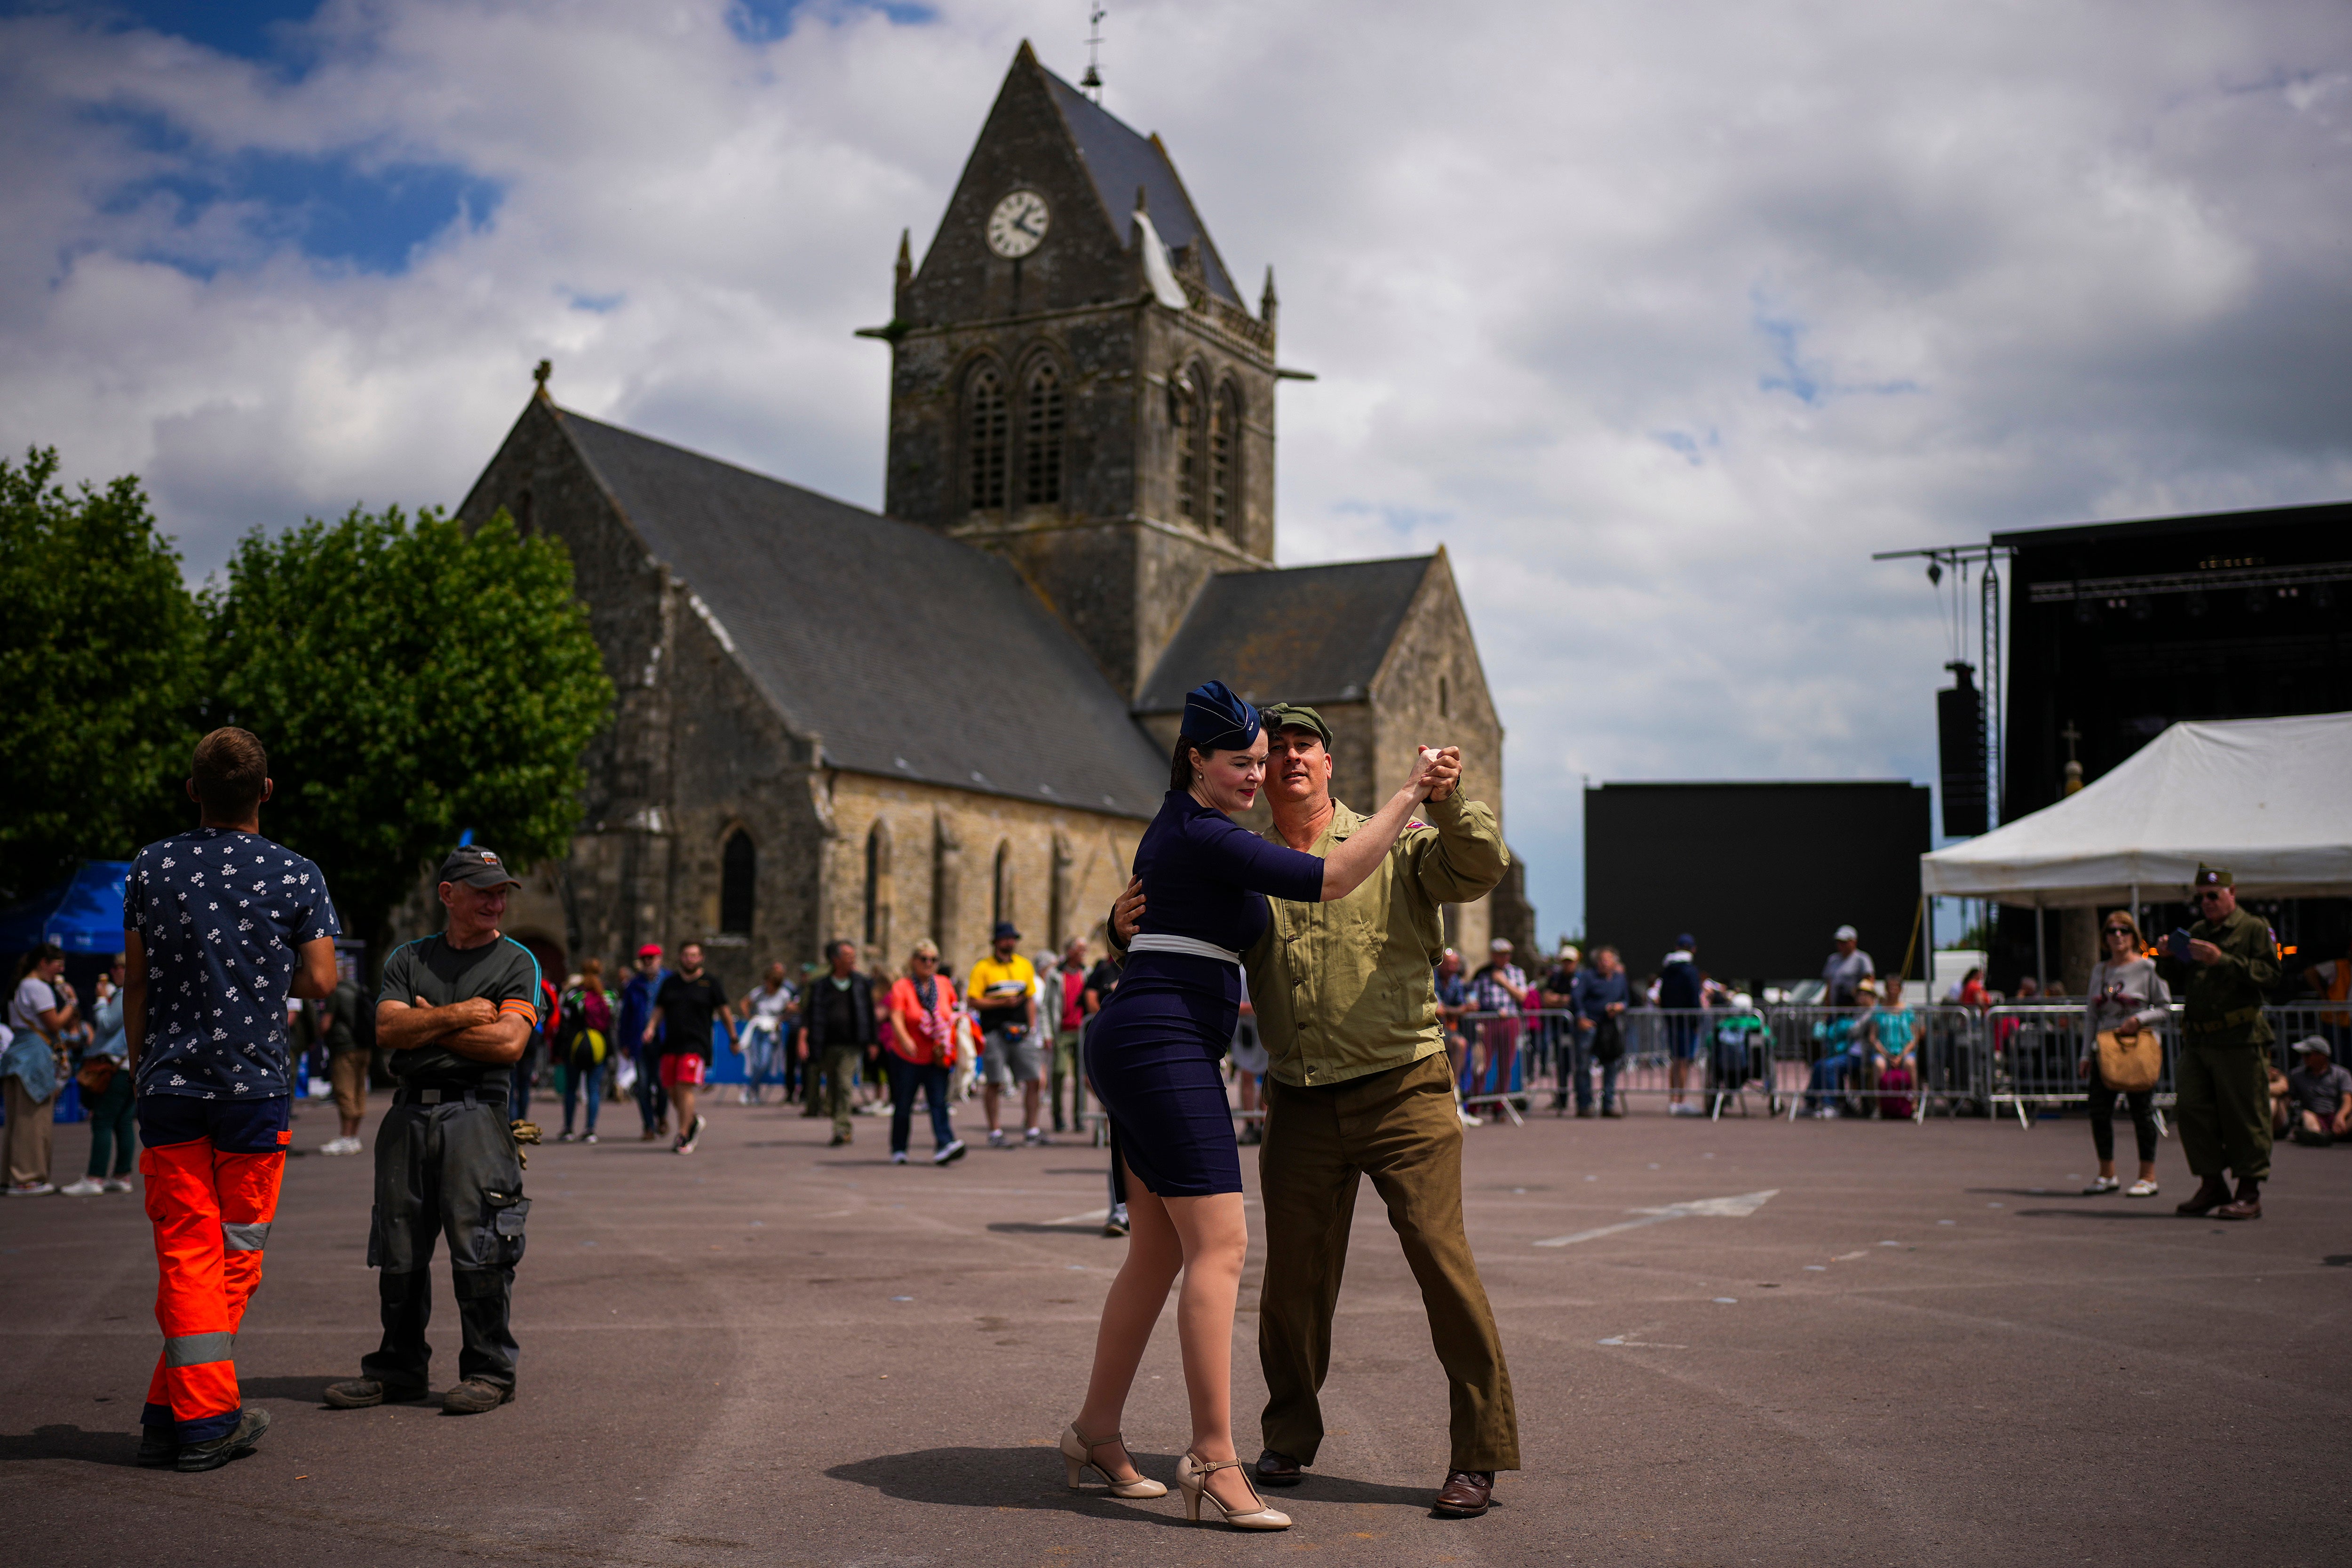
pixel 919 1041
pixel 1068 1008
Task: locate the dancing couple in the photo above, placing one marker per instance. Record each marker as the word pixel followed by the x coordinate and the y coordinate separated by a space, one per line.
pixel 1339 970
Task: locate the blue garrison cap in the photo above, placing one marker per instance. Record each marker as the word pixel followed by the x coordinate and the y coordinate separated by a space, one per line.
pixel 1217 720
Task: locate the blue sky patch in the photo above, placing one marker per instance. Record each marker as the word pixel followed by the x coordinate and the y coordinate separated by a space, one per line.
pixel 1808 381
pixel 764 21
pixel 249 29
pixel 339 208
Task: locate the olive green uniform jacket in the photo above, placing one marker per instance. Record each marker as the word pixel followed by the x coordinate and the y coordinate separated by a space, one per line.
pixel 2224 999
pixel 1343 989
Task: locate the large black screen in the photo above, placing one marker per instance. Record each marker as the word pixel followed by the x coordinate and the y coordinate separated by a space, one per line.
pixel 1760 873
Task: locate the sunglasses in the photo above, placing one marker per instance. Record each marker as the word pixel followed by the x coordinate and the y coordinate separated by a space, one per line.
pixel 2209 896
pixel 2121 930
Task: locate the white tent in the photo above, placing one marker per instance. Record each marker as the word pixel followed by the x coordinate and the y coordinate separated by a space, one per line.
pixel 2269 798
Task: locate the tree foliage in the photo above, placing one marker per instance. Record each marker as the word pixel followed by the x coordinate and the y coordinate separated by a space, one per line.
pixel 411 680
pixel 101 654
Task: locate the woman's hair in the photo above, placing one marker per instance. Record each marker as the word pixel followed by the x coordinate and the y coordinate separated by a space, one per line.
pixel 37 957
pixel 2139 942
pixel 926 948
pixel 592 970
pixel 1180 766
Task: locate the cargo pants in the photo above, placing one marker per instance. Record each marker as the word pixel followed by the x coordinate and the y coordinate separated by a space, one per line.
pixel 446 1164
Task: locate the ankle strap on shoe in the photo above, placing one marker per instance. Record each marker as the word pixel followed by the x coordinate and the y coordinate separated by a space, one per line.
pixel 1094 1443
pixel 1201 1467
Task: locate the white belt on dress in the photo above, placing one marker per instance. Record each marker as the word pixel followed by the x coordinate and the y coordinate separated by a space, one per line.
pixel 1162 942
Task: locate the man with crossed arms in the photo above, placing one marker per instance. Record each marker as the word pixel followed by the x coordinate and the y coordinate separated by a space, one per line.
pixel 1360 1085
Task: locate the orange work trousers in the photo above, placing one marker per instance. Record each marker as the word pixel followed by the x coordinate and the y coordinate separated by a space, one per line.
pixel 212 1209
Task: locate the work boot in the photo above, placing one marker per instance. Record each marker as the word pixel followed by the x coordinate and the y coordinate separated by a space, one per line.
pixel 473 1396
pixel 1466 1494
pixel 359 1393
pixel 2209 1197
pixel 1277 1469
pixel 158 1446
pixel 212 1456
pixel 2248 1204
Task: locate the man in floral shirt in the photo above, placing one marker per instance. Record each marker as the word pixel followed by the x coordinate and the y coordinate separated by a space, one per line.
pixel 220 926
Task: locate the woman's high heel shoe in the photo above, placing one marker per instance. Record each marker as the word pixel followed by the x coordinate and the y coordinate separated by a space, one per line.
pixel 1193 1475
pixel 1078 1457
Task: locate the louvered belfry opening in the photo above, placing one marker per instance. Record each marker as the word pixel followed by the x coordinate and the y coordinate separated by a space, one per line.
pixel 987 426
pixel 1041 438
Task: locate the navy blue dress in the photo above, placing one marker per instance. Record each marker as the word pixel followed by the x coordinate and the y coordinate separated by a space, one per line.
pixel 1155 1050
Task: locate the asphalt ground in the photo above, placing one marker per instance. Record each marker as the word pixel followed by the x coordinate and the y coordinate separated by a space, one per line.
pixel 1922 1347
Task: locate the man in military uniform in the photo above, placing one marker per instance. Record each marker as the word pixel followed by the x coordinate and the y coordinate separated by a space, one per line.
pixel 455 1011
pixel 1361 1086
pixel 2223 1075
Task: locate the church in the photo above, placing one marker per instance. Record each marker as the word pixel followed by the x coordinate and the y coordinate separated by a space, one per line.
pixel 834 723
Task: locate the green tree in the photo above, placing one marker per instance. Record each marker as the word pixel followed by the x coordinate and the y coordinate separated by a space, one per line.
pixel 100 648
pixel 411 680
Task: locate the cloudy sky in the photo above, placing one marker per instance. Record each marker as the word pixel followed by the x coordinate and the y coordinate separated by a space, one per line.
pixel 1659 317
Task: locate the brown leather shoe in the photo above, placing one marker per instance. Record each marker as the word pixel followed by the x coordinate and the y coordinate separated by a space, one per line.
pixel 2247 1204
pixel 1277 1469
pixel 2209 1197
pixel 1466 1494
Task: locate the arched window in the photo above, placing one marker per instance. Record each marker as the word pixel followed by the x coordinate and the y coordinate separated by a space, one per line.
pixel 1184 415
pixel 1224 441
pixel 1041 437
pixel 738 867
pixel 987 423
pixel 1002 899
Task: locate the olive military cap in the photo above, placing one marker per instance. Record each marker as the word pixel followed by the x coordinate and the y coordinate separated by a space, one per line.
pixel 1297 716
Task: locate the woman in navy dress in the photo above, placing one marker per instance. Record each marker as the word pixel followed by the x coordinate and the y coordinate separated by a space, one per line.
pixel 1154 1055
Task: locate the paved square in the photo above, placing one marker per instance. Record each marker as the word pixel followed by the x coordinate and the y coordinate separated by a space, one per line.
pixel 1920 1347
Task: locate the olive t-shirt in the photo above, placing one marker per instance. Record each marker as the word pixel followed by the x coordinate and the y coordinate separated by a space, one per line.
pixel 502 970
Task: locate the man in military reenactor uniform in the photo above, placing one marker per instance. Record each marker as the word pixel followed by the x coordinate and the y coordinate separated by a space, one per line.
pixel 2222 1074
pixel 455 1011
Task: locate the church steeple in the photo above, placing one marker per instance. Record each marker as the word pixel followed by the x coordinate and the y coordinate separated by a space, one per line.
pixel 1115 441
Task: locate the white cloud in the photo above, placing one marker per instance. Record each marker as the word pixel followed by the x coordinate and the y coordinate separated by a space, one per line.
pixel 1661 318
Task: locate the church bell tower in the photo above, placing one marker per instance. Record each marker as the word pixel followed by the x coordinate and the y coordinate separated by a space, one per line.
pixel 1076 382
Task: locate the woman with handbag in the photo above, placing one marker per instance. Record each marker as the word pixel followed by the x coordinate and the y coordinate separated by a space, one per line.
pixel 2122 1053
pixel 101 1072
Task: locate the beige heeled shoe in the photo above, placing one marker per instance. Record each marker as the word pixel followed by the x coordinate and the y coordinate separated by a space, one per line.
pixel 1193 1475
pixel 1078 1457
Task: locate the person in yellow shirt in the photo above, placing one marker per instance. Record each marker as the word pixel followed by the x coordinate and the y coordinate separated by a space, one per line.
pixel 1003 991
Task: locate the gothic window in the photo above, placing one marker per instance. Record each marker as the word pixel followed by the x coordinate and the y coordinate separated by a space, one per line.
pixel 878 885
pixel 987 424
pixel 1002 903
pixel 1041 438
pixel 738 866
pixel 1185 415
pixel 1224 439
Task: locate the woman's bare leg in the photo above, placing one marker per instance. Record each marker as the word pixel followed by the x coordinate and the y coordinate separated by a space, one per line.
pixel 1154 1255
pixel 1216 1239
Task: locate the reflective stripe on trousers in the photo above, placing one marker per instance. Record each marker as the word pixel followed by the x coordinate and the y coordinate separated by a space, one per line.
pixel 211 1212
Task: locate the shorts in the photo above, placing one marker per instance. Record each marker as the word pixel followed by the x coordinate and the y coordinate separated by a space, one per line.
pixel 1009 1059
pixel 685 1068
pixel 1684 1039
pixel 348 1071
pixel 234 1126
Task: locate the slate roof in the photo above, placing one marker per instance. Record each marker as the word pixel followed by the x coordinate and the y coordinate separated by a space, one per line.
pixel 1311 633
pixel 1120 158
pixel 907 654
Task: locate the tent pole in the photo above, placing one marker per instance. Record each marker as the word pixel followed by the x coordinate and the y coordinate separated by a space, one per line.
pixel 2134 890
pixel 2040 968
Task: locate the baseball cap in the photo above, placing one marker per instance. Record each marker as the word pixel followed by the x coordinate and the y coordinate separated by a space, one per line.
pixel 1568 950
pixel 651 949
pixel 2311 1043
pixel 1686 941
pixel 476 868
pixel 1866 984
pixel 1500 944
pixel 1006 929
pixel 1846 933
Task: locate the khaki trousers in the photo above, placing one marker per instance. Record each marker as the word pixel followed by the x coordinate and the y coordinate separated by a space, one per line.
pixel 1401 1127
pixel 31 1134
pixel 2223 1106
pixel 840 1062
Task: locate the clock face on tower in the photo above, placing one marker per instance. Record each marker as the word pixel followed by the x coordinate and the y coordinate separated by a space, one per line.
pixel 1017 227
